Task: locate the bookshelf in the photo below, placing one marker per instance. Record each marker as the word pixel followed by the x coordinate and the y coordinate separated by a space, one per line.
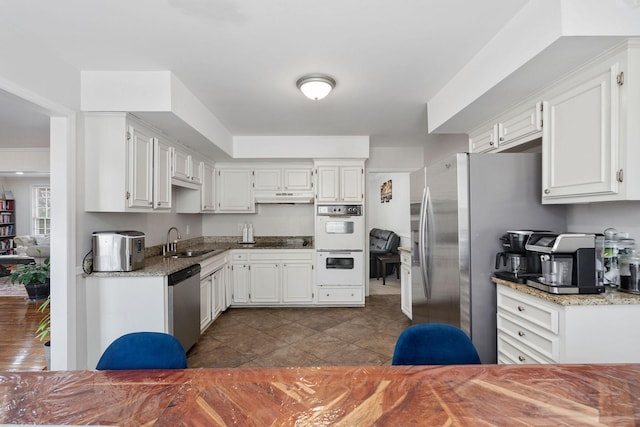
pixel 7 226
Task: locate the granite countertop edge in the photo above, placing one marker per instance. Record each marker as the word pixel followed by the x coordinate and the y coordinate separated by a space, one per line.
pixel 610 297
pixel 157 265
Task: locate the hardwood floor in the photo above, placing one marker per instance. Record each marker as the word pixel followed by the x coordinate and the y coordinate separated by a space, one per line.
pixel 20 350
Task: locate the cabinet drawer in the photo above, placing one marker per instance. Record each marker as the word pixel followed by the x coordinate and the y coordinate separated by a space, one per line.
pixel 239 256
pixel 528 309
pixel 277 255
pixel 513 352
pixel 405 258
pixel 342 294
pixel 545 344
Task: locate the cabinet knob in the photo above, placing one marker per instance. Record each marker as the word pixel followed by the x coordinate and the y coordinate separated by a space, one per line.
pixel 547 191
pixel 491 143
pixel 520 333
pixel 522 358
pixel 520 308
pixel 501 138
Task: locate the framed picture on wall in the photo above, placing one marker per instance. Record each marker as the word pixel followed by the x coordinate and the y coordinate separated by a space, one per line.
pixel 386 192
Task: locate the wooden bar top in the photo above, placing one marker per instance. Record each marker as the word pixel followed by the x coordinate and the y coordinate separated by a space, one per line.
pixel 496 395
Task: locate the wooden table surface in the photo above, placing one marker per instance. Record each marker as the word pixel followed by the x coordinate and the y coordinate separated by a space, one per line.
pixel 478 395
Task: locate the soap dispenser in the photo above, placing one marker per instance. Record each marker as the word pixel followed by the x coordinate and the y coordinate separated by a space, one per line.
pixel 245 233
pixel 250 233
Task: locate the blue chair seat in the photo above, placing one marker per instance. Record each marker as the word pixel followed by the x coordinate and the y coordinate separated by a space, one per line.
pixel 143 350
pixel 434 344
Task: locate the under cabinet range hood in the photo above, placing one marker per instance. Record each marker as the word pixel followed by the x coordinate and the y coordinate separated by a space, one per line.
pixel 284 197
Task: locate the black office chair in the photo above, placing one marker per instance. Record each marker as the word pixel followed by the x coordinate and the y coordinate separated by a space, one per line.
pixel 434 344
pixel 143 350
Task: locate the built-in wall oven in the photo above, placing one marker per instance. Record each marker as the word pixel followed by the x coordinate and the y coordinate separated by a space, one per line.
pixel 339 245
pixel 339 268
pixel 339 227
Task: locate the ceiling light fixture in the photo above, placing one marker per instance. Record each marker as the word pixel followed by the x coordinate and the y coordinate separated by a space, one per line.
pixel 316 86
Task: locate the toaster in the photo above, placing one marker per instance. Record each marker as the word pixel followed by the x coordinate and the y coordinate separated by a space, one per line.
pixel 118 250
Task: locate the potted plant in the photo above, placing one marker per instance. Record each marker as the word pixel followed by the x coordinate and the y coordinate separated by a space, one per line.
pixel 44 329
pixel 35 278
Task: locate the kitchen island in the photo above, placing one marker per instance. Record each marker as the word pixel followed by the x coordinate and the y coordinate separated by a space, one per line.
pixel 501 395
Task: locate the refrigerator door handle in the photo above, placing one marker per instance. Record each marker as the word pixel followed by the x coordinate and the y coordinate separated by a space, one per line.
pixel 425 249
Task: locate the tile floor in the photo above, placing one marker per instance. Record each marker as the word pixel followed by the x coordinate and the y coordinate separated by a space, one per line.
pixel 280 337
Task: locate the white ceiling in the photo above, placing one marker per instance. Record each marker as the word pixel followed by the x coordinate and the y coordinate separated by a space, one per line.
pixel 242 58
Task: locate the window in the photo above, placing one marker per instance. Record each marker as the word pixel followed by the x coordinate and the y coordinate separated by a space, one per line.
pixel 41 202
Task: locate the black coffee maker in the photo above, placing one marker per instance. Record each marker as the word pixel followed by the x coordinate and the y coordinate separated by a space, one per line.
pixel 570 263
pixel 512 262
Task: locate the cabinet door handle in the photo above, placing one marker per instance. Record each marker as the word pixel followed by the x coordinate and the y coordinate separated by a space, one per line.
pixel 520 333
pixel 522 358
pixel 547 191
pixel 520 308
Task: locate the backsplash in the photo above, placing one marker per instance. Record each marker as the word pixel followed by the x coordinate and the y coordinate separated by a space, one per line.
pixel 595 217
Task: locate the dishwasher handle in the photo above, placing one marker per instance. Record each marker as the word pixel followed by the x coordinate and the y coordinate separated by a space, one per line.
pixel 185 273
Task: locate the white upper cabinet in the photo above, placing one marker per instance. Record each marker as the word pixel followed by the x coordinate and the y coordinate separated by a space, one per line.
pixel 235 190
pixel 161 178
pixel 181 168
pixel 484 139
pixel 140 189
pixel 185 166
pixel 510 130
pixel 273 184
pixel 129 165
pixel 352 183
pixel 298 179
pixel 208 202
pixel 580 137
pixel 268 179
pixel 591 132
pixel 340 181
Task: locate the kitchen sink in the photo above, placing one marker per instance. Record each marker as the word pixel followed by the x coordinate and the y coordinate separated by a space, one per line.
pixel 189 254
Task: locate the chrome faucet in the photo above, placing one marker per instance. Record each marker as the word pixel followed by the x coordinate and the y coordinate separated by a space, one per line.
pixel 171 246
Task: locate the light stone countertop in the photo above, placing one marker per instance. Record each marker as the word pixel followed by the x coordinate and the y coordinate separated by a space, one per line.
pixel 610 297
pixel 157 265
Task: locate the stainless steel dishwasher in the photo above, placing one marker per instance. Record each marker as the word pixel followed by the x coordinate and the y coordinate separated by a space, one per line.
pixel 184 305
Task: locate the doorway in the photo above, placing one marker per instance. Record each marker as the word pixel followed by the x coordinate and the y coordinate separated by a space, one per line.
pixel 24 109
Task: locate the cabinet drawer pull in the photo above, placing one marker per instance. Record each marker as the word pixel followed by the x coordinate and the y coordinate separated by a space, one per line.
pixel 522 358
pixel 520 333
pixel 520 308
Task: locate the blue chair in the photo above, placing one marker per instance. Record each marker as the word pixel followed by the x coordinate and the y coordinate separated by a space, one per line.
pixel 434 344
pixel 143 350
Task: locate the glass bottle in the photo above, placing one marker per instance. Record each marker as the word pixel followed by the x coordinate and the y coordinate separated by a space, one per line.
pixel 611 260
pixel 629 269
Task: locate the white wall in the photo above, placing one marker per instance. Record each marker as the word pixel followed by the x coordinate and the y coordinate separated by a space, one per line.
pixel 393 215
pixel 21 188
pixel 595 217
pixel 154 225
pixel 269 220
pixel 442 145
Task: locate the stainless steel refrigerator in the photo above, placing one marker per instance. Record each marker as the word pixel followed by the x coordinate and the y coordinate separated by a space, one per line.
pixel 460 207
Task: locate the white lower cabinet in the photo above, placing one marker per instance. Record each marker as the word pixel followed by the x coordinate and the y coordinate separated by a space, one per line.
pixel 239 283
pixel 264 282
pixel 218 291
pixel 405 283
pixel 205 303
pixel 533 330
pixel 267 277
pixel 297 282
pixel 213 286
pixel 117 305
